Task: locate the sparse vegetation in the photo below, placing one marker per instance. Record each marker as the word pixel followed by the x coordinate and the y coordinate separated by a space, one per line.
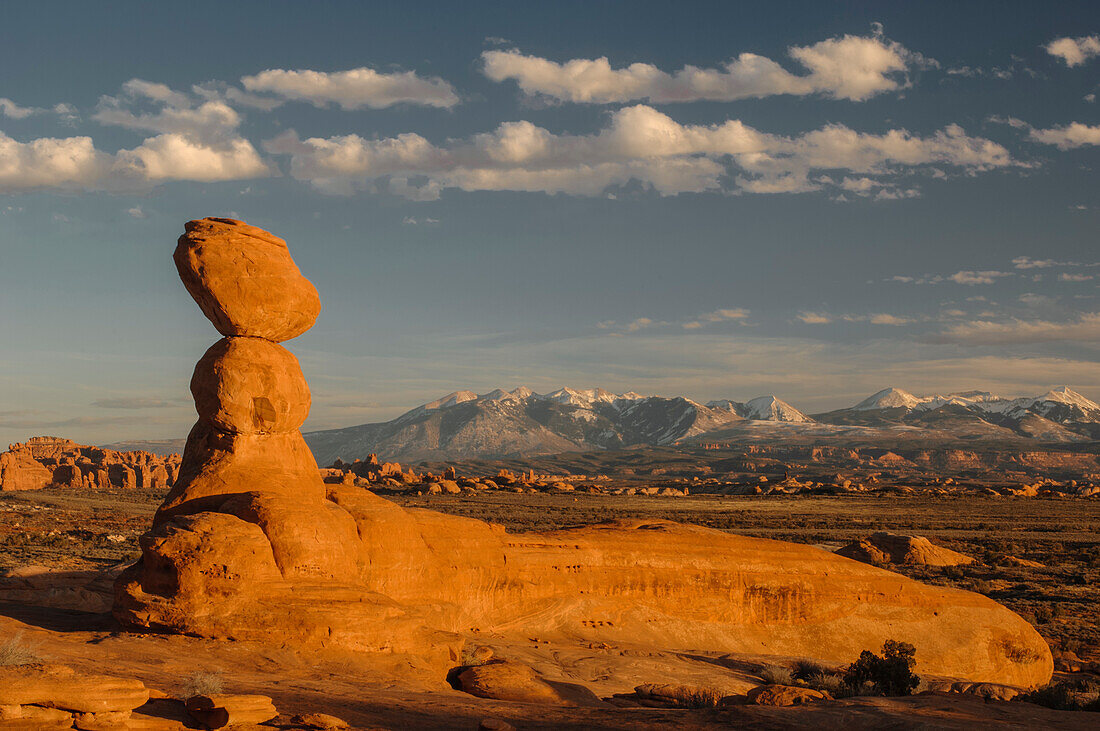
pixel 473 656
pixel 831 683
pixel 1020 654
pixel 1080 695
pixel 203 682
pixel 17 651
pixel 891 674
pixel 700 698
pixel 776 675
pixel 806 669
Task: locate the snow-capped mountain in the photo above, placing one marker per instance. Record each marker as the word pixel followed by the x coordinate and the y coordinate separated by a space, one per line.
pixel 1060 413
pixel 1061 403
pixel 764 408
pixel 523 423
pixel 888 398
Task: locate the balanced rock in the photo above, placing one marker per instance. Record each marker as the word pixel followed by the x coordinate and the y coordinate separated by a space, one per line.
pixel 881 548
pixel 252 544
pixel 245 281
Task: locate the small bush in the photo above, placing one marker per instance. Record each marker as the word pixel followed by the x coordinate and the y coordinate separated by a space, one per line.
pixel 776 675
pixel 1066 696
pixel 203 682
pixel 17 651
pixel 832 684
pixel 470 658
pixel 984 587
pixel 805 669
pixel 891 674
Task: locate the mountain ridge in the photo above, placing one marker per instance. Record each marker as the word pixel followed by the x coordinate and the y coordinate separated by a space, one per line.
pixel 520 422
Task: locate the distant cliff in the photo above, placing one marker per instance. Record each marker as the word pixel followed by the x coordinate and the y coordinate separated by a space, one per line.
pixel 44 461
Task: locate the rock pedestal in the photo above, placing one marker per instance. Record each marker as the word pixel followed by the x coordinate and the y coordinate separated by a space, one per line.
pixel 251 544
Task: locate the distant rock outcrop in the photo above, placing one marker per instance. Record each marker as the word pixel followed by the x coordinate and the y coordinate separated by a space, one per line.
pixel 250 544
pixel 884 548
pixel 44 461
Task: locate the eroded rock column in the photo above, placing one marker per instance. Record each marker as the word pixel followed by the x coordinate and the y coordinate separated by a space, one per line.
pixel 248 498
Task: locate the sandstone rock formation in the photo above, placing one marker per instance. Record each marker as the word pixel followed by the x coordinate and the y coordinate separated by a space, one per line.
pixel 219 710
pixel 508 681
pixel 45 461
pixel 884 548
pixel 251 543
pixel 60 687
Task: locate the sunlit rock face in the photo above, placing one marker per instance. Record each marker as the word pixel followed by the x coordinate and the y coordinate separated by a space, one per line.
pixel 51 461
pixel 251 544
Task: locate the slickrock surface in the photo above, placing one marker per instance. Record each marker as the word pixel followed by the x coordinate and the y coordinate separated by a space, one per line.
pixel 44 461
pixel 59 686
pixel 252 544
pixel 883 548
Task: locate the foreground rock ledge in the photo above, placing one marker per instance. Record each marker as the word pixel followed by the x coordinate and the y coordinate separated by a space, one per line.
pixel 251 544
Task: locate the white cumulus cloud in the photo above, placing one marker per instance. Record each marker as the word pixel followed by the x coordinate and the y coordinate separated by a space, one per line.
pixel 10 109
pixel 1075 51
pixel 178 157
pixel 639 144
pixel 48 162
pixel 849 67
pixel 354 88
pixel 1068 137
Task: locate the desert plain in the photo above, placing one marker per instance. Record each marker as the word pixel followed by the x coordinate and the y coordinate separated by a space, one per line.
pixel 243 586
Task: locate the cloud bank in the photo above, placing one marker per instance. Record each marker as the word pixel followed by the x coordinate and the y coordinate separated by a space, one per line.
pixel 639 144
pixel 197 142
pixel 850 67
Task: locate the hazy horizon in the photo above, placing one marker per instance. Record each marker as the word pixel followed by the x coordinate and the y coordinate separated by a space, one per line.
pixel 696 200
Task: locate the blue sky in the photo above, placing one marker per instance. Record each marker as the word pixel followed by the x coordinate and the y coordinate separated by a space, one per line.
pixel 706 199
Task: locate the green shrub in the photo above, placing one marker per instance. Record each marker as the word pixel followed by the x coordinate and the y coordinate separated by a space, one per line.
pixel 890 674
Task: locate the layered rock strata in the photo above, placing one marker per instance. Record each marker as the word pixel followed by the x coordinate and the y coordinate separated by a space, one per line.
pixel 44 461
pixel 251 543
